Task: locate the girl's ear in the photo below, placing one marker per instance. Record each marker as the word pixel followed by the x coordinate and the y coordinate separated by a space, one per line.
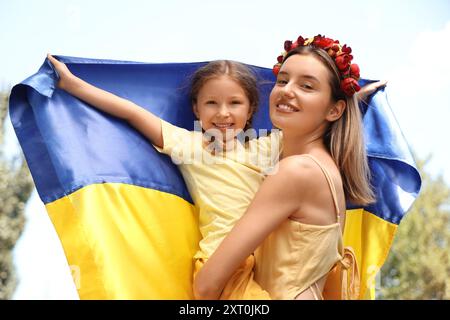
pixel 195 110
pixel 336 110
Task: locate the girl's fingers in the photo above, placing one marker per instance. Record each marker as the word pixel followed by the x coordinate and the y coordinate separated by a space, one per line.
pixel 50 57
pixel 53 60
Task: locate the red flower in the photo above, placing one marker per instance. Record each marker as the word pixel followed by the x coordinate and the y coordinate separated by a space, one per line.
pixel 317 38
pixel 346 49
pixel 323 43
pixel 354 71
pixel 276 69
pixel 350 86
pixel 280 59
pixel 287 45
pixel 343 61
pixel 335 46
pixel 300 41
pixel 332 52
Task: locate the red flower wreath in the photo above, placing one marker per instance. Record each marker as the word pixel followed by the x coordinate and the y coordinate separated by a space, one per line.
pixel 341 55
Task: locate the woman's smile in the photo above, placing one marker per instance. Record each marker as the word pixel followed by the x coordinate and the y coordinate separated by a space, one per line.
pixel 286 108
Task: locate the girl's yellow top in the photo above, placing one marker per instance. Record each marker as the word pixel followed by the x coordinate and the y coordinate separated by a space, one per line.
pixel 222 184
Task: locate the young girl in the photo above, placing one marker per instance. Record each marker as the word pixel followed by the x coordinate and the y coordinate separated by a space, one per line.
pixel 297 215
pixel 223 176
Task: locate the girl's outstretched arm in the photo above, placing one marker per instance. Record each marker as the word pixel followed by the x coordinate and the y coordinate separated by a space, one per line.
pixel 141 119
pixel 278 197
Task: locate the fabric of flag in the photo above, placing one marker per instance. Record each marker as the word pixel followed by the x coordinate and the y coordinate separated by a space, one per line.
pixel 121 209
pixel 396 182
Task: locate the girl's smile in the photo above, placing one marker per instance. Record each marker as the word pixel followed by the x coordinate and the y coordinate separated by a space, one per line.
pixel 222 104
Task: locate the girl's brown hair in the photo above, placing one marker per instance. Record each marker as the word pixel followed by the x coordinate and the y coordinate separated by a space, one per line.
pixel 344 137
pixel 237 71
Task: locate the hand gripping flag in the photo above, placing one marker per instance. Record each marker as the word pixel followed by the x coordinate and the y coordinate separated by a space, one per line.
pixel 123 214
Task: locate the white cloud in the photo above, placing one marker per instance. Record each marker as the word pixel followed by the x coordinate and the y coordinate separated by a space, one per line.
pixel 429 60
pixel 419 93
pixel 73 18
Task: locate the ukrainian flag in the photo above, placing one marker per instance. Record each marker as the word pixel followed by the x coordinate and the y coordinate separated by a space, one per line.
pixel 396 182
pixel 126 222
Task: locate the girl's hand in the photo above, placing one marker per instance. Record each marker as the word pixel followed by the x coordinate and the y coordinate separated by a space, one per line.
pixel 65 76
pixel 368 89
pixel 144 121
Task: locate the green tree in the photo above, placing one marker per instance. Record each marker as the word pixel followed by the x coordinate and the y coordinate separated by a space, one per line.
pixel 15 189
pixel 418 266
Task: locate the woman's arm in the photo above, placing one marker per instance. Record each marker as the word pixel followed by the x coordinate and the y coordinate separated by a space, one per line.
pixel 278 197
pixel 370 88
pixel 141 119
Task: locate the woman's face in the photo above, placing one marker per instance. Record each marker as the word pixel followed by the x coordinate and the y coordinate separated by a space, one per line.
pixel 300 101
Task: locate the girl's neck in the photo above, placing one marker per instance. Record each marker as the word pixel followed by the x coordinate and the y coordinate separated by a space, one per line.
pixel 219 146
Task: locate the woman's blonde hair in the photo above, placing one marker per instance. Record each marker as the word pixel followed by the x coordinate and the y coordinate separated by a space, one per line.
pixel 344 137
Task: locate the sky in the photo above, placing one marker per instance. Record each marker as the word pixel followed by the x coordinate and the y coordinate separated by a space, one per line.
pixel 406 42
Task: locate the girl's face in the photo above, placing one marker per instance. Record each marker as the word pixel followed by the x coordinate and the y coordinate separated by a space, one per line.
pixel 300 101
pixel 222 104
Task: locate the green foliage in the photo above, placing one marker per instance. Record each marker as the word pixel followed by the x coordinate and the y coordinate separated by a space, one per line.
pixel 418 266
pixel 15 189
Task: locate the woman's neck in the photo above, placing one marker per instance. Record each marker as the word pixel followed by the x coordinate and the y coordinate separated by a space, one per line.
pixel 295 145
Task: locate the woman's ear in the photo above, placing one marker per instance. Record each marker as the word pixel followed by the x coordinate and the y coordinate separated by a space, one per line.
pixel 336 110
pixel 251 111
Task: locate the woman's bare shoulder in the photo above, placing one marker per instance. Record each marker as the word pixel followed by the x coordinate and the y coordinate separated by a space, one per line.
pixel 300 168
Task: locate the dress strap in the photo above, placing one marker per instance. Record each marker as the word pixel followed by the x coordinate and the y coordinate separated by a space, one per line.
pixel 316 292
pixel 350 289
pixel 330 183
